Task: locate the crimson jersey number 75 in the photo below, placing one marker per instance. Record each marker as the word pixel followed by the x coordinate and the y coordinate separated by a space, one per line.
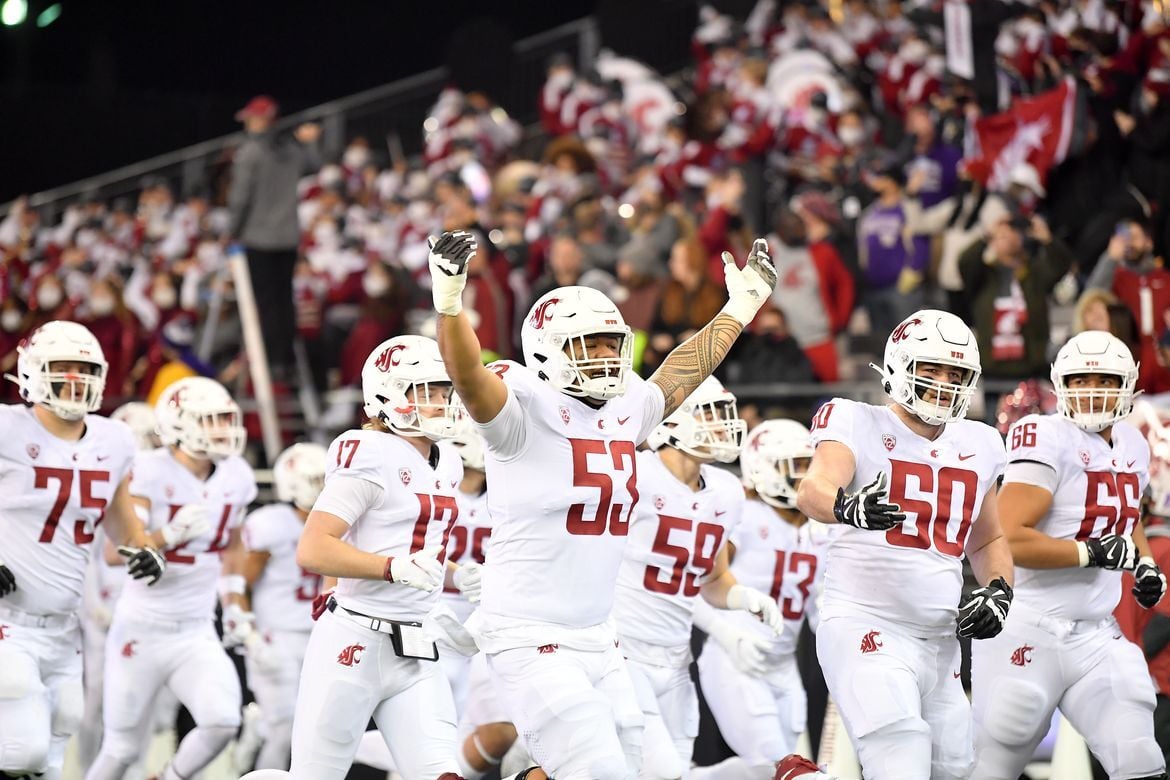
pixel 43 475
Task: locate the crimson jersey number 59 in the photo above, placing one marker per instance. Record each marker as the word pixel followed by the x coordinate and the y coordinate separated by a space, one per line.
pixel 931 524
pixel 613 457
pixel 708 539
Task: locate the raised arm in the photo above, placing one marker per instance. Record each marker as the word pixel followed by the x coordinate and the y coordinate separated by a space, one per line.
pixel 688 364
pixel 481 391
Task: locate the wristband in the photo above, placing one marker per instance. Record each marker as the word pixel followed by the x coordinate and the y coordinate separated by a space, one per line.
pixel 386 573
pixel 232 584
pixel 1083 555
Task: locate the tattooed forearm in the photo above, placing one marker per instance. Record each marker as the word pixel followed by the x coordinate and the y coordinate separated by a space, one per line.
pixel 691 362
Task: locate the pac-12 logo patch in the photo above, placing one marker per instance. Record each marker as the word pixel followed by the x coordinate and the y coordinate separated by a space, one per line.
pixel 889 441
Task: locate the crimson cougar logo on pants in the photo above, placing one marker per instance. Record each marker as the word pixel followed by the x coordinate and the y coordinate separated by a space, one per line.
pixel 349 656
pixel 1022 656
pixel 870 642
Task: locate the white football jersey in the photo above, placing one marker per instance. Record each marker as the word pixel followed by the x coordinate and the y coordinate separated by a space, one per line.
pixel 188 590
pixel 53 494
pixel 675 535
pixel 468 543
pixel 913 573
pixel 780 559
pixel 562 486
pixel 1098 492
pixel 282 599
pixel 416 511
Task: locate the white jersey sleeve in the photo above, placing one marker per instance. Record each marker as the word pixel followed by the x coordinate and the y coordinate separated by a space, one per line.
pixel 835 421
pixel 1033 439
pixel 356 453
pixel 506 434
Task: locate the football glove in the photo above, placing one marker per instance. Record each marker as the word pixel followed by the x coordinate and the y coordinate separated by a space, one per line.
pixel 746 649
pixel 983 614
pixel 263 655
pixel 420 570
pixel 1149 583
pixel 144 562
pixel 469 579
pixel 748 287
pixel 190 522
pixel 1108 552
pixel 239 625
pixel 7 580
pixel 449 256
pixel 751 600
pixel 866 508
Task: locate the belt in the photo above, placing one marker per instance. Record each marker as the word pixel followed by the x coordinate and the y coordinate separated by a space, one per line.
pixel 381 625
pixel 1057 626
pixel 29 620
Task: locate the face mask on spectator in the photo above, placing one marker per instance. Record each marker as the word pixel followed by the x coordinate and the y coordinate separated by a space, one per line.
pixel 101 305
pixel 851 135
pixel 49 297
pixel 85 238
pixel 164 297
pixel 10 320
pixel 375 285
pixel 355 157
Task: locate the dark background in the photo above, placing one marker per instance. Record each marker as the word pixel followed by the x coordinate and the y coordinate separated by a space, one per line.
pixel 111 83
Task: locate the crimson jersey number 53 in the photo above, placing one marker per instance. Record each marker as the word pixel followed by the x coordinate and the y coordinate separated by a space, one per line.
pixel 612 457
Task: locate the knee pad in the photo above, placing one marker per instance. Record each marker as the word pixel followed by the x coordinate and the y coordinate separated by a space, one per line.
pixel 70 709
pixel 17 676
pixel 1017 710
pixel 899 750
pixel 122 745
pixel 220 735
pixel 336 722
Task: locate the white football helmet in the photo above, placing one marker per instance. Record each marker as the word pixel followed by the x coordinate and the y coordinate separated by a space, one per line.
pixel 299 475
pixel 468 441
pixel 706 425
pixel 553 339
pixel 53 343
pixel 775 457
pixel 1094 352
pixel 931 336
pixel 198 416
pixel 403 375
pixel 140 418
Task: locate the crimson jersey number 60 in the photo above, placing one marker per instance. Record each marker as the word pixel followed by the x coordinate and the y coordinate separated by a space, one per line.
pixel 942 493
pixel 609 513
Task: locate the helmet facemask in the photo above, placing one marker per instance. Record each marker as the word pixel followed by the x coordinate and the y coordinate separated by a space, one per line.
pixel 69 390
pixel 933 401
pixel 596 378
pixel 776 480
pixel 431 409
pixel 712 431
pixel 214 434
pixel 1093 409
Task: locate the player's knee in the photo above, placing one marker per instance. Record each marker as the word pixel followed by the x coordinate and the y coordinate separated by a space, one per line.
pixel 661 762
pixel 608 768
pixel 336 723
pixel 493 740
pixel 121 745
pixel 70 709
pixel 218 736
pixel 1016 711
pixel 26 755
pixel 1133 758
pixel 16 677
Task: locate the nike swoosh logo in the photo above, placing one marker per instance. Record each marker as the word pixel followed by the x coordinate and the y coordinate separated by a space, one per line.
pixel 966 457
pixel 957 675
pixel 720 514
pixel 623 420
pixel 102 457
pixel 1129 465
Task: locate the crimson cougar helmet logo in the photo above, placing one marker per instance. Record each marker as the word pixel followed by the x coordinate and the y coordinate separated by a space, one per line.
pixel 389 357
pixel 900 331
pixel 543 313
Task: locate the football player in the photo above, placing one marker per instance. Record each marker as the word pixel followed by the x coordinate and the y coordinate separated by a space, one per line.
pixel 751 683
pixel 281 595
pixel 913 484
pixel 677 550
pixel 1071 508
pixel 63 470
pixel 165 636
pixel 560 435
pixel 381 527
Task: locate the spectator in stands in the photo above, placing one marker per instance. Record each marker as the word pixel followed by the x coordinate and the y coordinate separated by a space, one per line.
pixel 1130 271
pixel 117 330
pixel 766 352
pixel 814 291
pixel 12 318
pixel 387 296
pixel 1008 278
pixel 892 271
pixel 565 268
pixel 1092 310
pixel 689 300
pixel 263 204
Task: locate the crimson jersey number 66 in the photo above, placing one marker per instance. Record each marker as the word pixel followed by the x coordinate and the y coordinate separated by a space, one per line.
pixel 609 513
pixel 931 524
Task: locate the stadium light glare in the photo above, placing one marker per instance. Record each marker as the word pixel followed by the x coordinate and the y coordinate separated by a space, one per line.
pixel 13 12
pixel 49 15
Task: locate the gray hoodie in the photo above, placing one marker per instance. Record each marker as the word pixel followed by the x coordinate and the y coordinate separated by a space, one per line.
pixel 263 196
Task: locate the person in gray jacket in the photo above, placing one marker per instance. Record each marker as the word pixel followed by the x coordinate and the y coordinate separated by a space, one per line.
pixel 263 206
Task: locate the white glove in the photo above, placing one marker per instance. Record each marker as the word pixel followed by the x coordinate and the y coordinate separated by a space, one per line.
pixel 263 655
pixel 751 600
pixel 745 648
pixel 748 287
pixel 448 259
pixel 238 625
pixel 469 579
pixel 420 570
pixel 442 626
pixel 190 522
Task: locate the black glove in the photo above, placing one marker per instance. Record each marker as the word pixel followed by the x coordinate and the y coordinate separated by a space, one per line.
pixel 983 614
pixel 451 252
pixel 7 580
pixel 1111 552
pixel 144 562
pixel 866 508
pixel 1149 583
